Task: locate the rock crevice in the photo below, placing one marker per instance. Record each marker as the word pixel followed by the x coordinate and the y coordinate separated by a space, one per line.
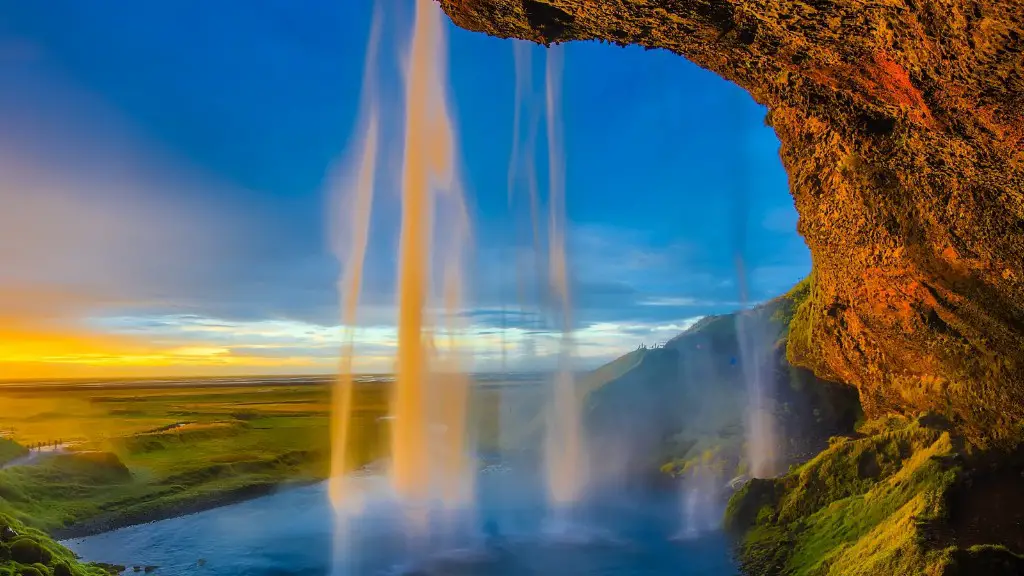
pixel 902 129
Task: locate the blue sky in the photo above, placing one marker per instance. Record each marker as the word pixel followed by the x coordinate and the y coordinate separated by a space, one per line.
pixel 168 162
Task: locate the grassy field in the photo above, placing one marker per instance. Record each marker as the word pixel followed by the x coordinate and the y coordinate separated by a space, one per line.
pixel 132 455
pixel 137 453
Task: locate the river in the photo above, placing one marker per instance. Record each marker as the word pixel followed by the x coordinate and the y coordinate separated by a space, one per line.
pixel 290 533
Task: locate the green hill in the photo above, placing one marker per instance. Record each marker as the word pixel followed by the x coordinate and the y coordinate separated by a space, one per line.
pixel 9 450
pixel 687 400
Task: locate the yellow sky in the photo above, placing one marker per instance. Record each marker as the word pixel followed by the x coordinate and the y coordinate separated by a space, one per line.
pixel 26 353
pixel 43 335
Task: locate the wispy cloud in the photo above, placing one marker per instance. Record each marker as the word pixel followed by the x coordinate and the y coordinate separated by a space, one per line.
pixel 687 302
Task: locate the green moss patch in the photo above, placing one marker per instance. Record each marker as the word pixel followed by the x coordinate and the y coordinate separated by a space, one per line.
pixel 875 504
pixel 28 552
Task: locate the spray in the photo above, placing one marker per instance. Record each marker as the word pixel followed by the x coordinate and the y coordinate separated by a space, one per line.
pixel 453 390
pixel 755 355
pixel 428 435
pixel 344 499
pixel 429 407
pixel 350 284
pixel 754 343
pixel 564 451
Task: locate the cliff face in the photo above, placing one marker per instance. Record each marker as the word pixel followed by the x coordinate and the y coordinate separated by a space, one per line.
pixel 902 130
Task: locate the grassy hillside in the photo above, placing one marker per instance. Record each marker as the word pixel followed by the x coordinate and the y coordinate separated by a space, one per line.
pixel 135 455
pixel 138 455
pixel 610 372
pixel 888 501
pixel 671 407
pixel 9 450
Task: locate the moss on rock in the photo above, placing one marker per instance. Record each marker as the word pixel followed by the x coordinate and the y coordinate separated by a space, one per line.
pixel 33 553
pixel 27 550
pixel 756 499
pixel 874 504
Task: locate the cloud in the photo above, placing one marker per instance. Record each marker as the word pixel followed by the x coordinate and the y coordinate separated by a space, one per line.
pixel 603 250
pixel 98 222
pixel 687 302
pixel 122 257
pixel 91 208
pixel 95 208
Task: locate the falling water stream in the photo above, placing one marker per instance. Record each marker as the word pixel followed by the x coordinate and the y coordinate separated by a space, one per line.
pixel 429 460
pixel 753 334
pixel 433 495
pixel 429 402
pixel 432 465
pixel 350 284
pixel 564 451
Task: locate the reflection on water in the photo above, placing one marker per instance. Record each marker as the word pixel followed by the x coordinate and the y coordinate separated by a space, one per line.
pixel 507 534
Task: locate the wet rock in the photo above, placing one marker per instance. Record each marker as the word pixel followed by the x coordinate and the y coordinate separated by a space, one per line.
pixel 7 534
pixel 738 482
pixel 112 569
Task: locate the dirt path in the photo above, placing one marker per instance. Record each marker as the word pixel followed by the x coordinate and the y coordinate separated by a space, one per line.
pixel 35 456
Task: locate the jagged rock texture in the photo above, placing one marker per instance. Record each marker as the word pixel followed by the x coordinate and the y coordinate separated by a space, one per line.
pixel 902 130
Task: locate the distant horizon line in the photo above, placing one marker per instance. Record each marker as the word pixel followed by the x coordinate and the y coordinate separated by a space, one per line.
pixel 175 378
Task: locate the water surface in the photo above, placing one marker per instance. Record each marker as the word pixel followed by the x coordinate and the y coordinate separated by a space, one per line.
pixel 510 533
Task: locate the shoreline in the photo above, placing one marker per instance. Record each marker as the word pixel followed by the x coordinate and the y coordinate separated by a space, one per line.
pixel 113 521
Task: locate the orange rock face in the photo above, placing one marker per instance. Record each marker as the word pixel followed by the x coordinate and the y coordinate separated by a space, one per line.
pixel 902 129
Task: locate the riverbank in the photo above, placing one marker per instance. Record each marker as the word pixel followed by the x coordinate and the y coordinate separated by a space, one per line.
pixel 141 455
pixel 138 456
pixel 109 522
pixel 25 551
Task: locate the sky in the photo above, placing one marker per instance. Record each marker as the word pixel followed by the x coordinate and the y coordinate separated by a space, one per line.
pixel 167 170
